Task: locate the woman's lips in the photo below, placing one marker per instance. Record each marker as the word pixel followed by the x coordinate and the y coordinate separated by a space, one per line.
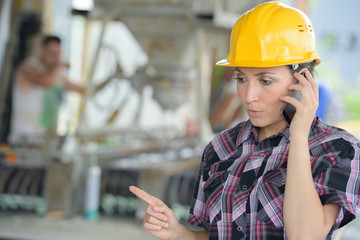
pixel 254 113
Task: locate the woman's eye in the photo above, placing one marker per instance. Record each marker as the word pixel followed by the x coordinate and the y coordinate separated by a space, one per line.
pixel 266 82
pixel 240 79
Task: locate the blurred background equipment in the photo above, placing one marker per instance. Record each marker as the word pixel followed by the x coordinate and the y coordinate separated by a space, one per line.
pixel 147 66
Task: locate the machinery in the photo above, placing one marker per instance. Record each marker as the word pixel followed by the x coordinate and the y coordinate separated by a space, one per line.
pixel 178 42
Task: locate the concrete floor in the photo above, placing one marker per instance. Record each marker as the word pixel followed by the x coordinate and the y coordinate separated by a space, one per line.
pixel 31 227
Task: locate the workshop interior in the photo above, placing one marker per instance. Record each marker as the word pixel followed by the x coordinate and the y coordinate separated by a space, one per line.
pixel 142 99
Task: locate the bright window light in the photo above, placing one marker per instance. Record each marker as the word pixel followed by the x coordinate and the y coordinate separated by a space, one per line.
pixel 85 5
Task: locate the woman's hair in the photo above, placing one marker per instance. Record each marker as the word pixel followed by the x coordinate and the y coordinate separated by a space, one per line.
pixel 309 65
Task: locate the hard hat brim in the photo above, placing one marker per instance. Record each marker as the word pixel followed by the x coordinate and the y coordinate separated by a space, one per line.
pixel 225 62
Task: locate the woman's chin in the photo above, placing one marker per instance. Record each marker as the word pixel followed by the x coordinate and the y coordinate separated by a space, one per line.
pixel 261 123
pixel 257 122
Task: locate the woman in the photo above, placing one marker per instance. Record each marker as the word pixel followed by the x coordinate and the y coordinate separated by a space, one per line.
pixel 263 179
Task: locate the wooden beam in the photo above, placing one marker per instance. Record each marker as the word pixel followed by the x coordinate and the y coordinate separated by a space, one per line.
pixel 47 15
pixel 6 68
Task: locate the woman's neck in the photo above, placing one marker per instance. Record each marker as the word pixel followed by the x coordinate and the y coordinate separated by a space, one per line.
pixel 265 132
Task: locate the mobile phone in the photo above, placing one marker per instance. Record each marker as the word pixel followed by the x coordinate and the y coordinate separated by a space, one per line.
pixel 288 111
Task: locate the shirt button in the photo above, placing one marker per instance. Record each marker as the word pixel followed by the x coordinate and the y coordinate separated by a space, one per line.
pixel 239 228
pixel 244 187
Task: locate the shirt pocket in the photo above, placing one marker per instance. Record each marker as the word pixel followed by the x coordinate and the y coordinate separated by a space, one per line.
pixel 271 198
pixel 213 189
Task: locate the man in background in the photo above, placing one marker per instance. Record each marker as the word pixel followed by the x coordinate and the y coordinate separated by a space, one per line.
pixel 37 94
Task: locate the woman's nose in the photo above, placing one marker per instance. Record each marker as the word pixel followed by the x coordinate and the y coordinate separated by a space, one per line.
pixel 252 92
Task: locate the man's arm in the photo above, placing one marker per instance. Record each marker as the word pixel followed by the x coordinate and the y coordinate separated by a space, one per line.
pixel 28 73
pixel 73 87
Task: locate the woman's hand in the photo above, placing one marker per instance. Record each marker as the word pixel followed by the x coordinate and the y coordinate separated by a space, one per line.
pixel 159 220
pixel 306 108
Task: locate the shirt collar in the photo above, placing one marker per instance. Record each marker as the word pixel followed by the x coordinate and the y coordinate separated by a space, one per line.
pixel 249 130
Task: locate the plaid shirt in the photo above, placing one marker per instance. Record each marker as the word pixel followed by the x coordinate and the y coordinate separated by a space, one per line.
pixel 240 189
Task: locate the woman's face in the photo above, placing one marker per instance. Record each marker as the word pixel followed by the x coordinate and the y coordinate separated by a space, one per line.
pixel 259 89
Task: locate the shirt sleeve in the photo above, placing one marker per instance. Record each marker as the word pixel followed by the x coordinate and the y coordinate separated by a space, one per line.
pixel 336 174
pixel 198 215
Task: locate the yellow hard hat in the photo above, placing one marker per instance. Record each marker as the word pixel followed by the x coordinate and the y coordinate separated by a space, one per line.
pixel 271 34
